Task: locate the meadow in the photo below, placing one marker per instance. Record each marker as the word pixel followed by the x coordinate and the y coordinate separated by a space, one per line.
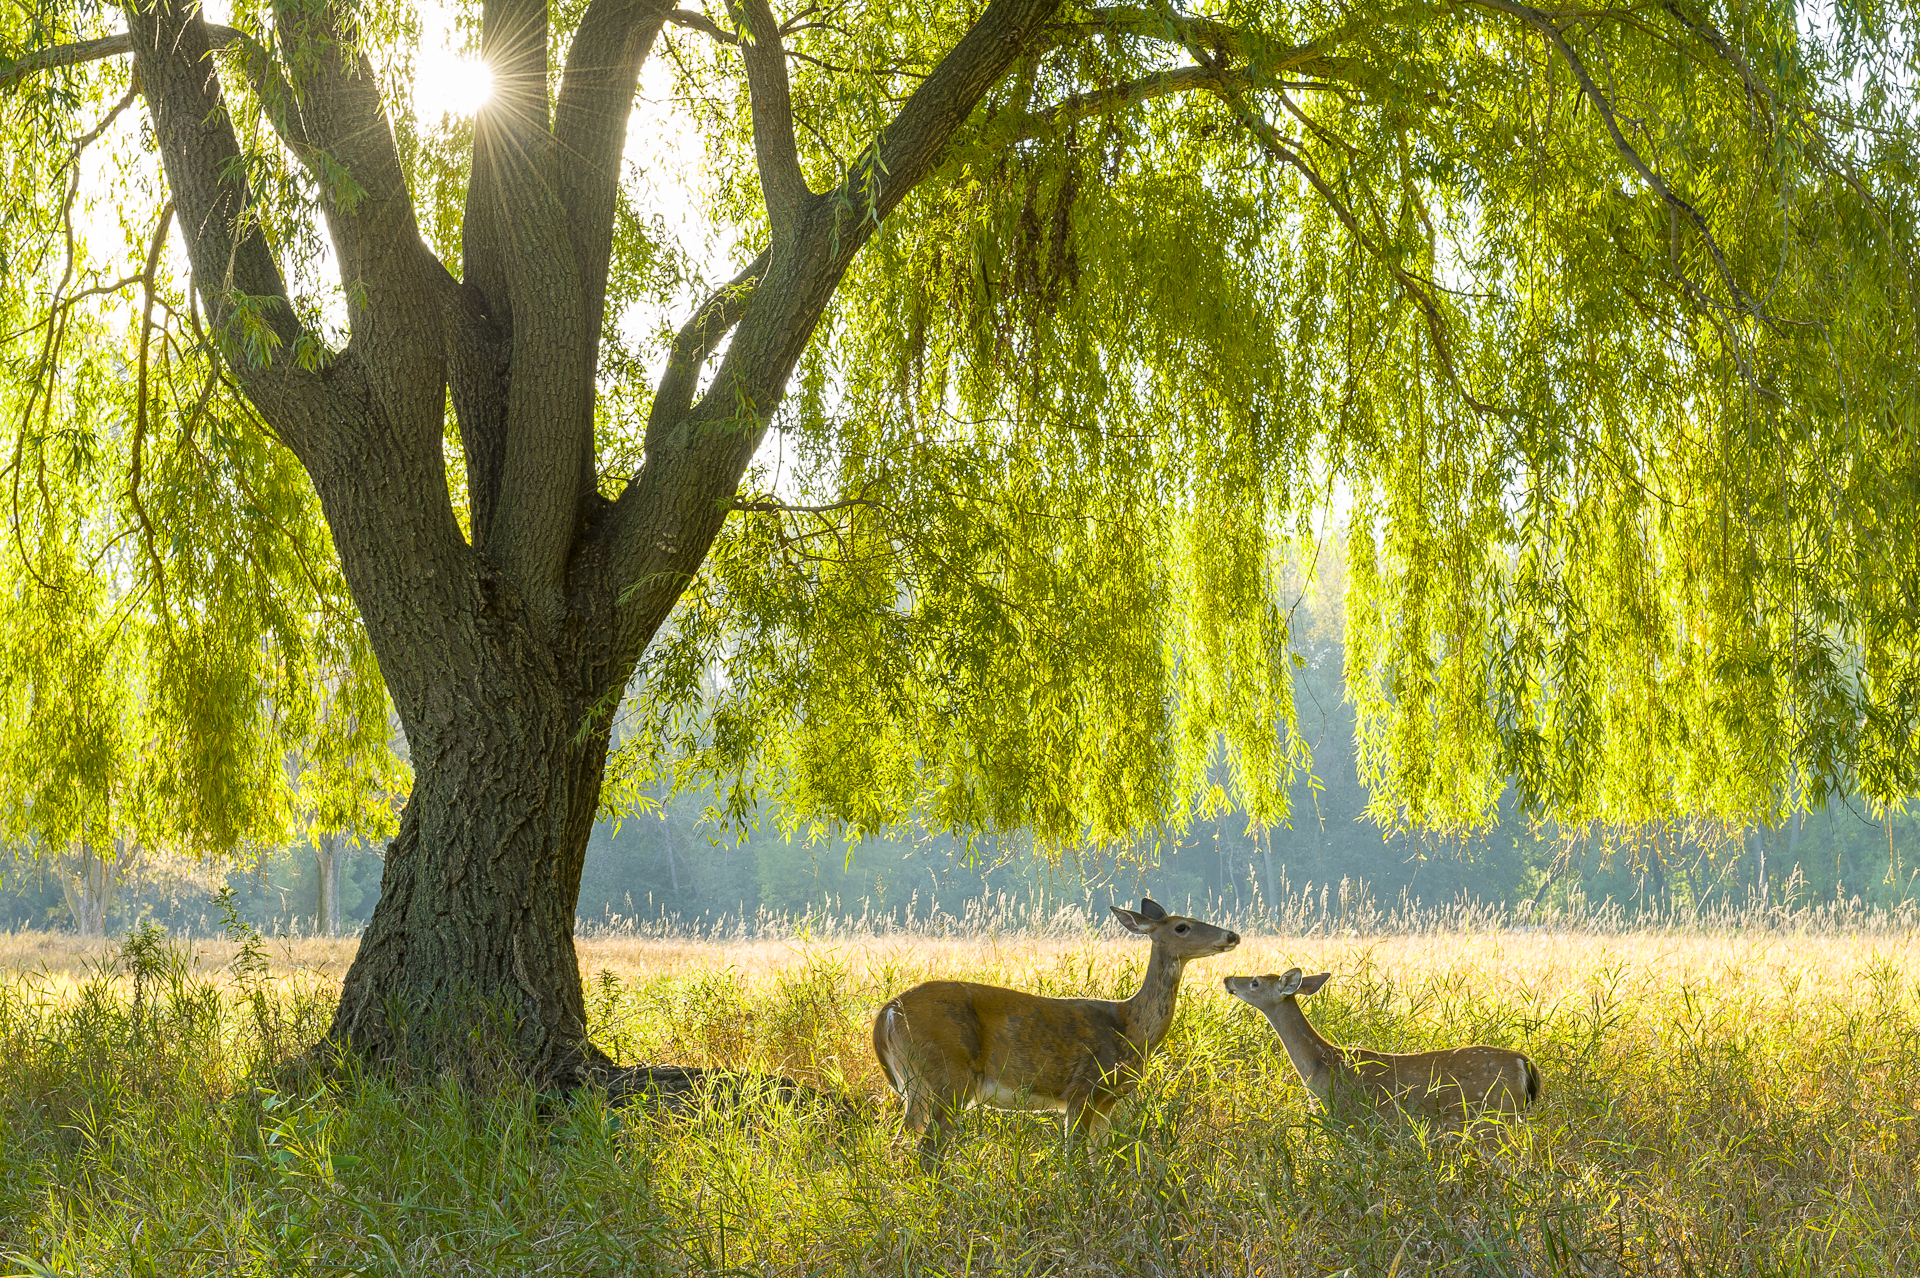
pixel 1718 1101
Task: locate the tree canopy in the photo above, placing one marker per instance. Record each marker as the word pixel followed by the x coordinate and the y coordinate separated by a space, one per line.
pixel 1592 325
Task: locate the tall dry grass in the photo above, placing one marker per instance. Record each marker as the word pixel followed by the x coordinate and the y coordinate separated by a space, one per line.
pixel 1719 1101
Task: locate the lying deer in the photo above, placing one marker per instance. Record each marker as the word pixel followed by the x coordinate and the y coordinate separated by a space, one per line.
pixel 1446 1087
pixel 949 1045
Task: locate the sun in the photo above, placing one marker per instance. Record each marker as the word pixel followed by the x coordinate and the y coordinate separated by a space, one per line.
pixel 447 84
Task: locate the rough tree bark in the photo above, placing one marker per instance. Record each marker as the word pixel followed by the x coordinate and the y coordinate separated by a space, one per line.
pixel 503 652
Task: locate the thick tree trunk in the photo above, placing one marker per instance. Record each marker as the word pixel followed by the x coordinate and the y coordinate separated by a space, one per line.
pixel 476 910
pixel 505 645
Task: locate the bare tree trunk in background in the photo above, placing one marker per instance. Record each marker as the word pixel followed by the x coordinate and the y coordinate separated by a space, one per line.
pixel 330 854
pixel 666 824
pixel 88 888
pixel 1266 850
pixel 1793 841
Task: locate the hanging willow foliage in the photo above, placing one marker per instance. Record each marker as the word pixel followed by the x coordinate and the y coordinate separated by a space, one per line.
pixel 1591 328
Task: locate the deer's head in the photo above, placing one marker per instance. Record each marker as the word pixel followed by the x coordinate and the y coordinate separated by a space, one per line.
pixel 1178 935
pixel 1269 991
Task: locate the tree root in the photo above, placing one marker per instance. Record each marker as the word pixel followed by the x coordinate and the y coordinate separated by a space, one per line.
pixel 682 1087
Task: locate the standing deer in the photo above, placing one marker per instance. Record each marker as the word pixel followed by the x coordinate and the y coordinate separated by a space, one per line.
pixel 949 1045
pixel 1445 1087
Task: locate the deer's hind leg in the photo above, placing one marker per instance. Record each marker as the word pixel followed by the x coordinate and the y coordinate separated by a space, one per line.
pixel 935 1100
pixel 936 1117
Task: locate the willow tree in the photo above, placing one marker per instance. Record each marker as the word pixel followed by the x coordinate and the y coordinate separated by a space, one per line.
pixel 1069 321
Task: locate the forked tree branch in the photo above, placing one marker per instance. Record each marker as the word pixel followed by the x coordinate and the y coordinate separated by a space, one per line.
pixel 663 523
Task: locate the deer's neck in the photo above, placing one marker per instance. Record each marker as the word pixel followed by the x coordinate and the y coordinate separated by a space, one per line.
pixel 1149 1013
pixel 1311 1054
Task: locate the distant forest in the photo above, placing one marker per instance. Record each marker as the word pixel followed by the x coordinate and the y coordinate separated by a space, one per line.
pixel 675 864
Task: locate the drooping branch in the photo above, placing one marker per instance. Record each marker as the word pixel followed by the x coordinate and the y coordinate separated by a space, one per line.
pixel 1742 300
pixel 233 267
pixel 148 281
pixel 782 184
pixel 1416 290
pixel 113 46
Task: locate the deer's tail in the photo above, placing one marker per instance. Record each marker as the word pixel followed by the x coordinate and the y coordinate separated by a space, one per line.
pixel 885 1025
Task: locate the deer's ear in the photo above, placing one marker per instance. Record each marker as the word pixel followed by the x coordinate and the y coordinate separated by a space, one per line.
pixel 1152 908
pixel 1132 922
pixel 1312 984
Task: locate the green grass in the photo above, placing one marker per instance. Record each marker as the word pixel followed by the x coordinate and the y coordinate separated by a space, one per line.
pixel 1715 1106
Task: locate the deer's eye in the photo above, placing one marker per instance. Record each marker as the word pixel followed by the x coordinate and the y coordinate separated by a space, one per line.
pixel 1182 929
pixel 1253 985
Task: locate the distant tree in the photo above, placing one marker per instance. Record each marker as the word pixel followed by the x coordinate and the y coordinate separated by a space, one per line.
pixel 1070 318
pixel 349 782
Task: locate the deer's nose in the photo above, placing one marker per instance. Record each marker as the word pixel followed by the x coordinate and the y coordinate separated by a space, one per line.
pixel 1233 938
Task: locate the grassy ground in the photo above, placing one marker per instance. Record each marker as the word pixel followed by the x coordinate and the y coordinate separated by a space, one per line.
pixel 1715 1105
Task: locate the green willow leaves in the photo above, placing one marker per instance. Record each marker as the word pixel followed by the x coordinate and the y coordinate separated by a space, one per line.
pixel 1589 331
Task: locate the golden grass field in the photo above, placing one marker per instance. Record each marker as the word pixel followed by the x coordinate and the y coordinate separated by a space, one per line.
pixel 1715 1104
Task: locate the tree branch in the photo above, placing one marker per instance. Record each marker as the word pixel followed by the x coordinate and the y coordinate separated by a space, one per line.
pixel 1265 54
pixel 769 505
pixel 522 262
pixel 1094 102
pixel 698 338
pixel 590 130
pixel 781 183
pixel 113 46
pixel 385 267
pixel 704 25
pixel 913 142
pixel 665 520
pixel 509 130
